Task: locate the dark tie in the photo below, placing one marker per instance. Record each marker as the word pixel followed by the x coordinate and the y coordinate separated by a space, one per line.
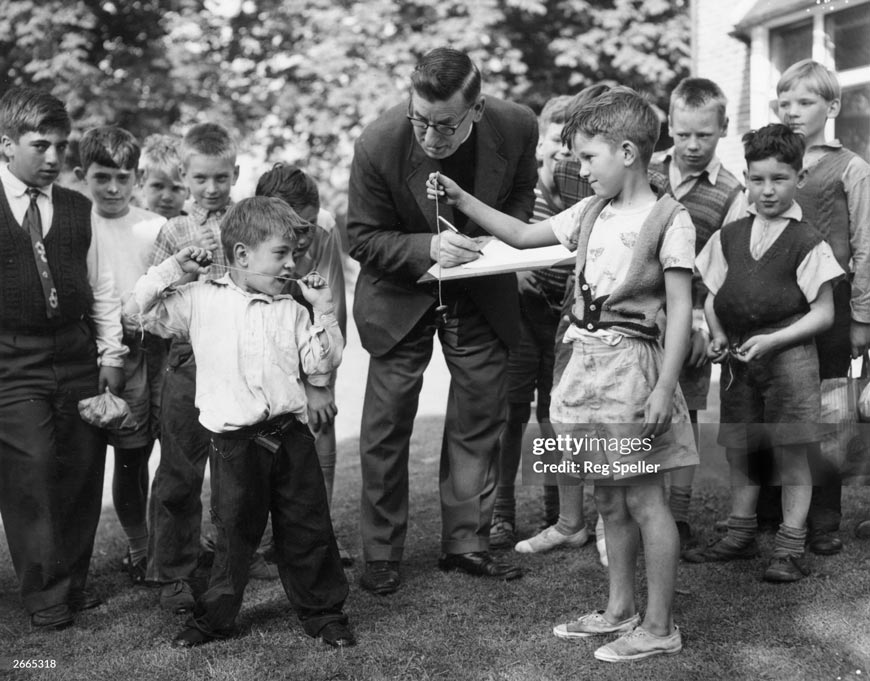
pixel 33 224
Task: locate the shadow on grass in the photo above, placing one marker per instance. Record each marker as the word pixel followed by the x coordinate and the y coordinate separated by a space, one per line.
pixel 451 626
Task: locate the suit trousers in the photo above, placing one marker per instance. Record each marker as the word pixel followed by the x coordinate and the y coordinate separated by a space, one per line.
pixel 475 418
pixel 249 482
pixel 175 511
pixel 51 462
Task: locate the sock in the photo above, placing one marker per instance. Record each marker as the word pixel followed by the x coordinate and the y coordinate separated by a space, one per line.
pixel 678 501
pixel 789 541
pixel 741 531
pixel 137 538
pixel 505 503
pixel 551 504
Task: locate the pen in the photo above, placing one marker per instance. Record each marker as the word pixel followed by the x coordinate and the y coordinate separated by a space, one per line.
pixel 453 228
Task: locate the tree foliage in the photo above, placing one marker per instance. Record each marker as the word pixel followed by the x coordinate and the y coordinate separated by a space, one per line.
pixel 299 79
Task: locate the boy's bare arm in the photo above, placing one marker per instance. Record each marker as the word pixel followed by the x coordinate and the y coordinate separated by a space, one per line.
pixel 819 318
pixel 660 404
pixel 717 349
pixel 509 229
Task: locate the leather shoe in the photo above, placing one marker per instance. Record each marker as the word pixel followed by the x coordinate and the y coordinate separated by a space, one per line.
pixel 82 599
pixel 190 638
pixel 862 529
pixel 337 635
pixel 479 564
pixel 381 577
pixel 824 543
pixel 56 617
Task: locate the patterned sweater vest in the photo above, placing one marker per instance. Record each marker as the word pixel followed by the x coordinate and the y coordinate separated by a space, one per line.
pixel 762 293
pixel 22 305
pixel 633 306
pixel 825 207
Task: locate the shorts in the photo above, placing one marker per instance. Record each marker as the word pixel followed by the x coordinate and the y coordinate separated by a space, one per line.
pixel 775 398
pixel 602 394
pixel 695 384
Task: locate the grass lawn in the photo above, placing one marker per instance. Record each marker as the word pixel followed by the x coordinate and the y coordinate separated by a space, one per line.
pixel 455 627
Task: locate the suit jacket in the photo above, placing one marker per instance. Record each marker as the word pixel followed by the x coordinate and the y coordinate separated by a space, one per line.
pixel 390 222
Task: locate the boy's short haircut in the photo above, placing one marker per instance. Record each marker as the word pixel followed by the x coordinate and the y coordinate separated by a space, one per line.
pixel 207 139
pixel 814 76
pixel 582 98
pixel 160 153
pixel 253 220
pixel 443 72
pixel 617 115
pixel 27 109
pixel 291 184
pixel 555 111
pixel 774 141
pixel 109 146
pixel 696 93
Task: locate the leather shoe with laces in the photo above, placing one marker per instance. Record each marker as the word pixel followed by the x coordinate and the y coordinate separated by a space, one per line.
pixel 337 635
pixel 190 638
pixel 56 617
pixel 381 577
pixel 479 564
pixel 824 543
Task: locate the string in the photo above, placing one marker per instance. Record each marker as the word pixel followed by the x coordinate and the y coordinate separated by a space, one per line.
pixel 441 309
pixel 275 276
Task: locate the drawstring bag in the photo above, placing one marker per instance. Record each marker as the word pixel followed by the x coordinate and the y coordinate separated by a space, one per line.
pixel 106 411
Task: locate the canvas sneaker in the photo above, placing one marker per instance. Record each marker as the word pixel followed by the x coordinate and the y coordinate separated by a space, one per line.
pixel 638 644
pixel 551 538
pixel 594 624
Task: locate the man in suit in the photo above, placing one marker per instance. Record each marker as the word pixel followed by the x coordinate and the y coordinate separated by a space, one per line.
pixel 488 146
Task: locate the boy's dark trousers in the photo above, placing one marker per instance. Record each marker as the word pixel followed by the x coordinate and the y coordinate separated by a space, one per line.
pixel 252 477
pixel 51 462
pixel 175 511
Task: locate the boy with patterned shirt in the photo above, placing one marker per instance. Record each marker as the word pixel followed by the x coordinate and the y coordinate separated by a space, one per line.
pixel 109 169
pixel 691 172
pixel 208 157
pixel 60 342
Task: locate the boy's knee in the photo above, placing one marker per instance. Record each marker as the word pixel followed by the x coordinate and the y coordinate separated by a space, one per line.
pixel 645 501
pixel 610 501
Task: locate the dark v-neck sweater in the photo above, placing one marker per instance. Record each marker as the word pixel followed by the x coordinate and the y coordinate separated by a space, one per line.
pixel 764 292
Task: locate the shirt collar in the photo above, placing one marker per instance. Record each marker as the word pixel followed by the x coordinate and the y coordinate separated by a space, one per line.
pixel 830 144
pixel 711 169
pixel 15 187
pixel 793 212
pixel 201 215
pixel 227 281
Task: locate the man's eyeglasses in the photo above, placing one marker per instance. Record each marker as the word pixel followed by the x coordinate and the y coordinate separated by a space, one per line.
pixel 443 129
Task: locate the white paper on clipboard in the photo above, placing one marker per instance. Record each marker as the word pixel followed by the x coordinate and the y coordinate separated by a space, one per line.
pixel 498 257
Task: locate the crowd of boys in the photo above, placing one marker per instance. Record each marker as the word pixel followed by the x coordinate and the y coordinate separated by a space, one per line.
pixel 772 281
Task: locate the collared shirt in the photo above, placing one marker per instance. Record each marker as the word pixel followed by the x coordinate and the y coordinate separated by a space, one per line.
pixel 249 347
pixel 681 185
pixel 818 267
pixel 184 230
pixel 106 309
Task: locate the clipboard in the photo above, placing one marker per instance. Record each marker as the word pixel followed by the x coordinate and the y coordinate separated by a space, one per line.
pixel 498 258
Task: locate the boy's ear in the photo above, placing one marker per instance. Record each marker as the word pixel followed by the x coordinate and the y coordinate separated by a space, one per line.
pixel 240 254
pixel 802 178
pixel 833 108
pixel 629 152
pixel 235 174
pixel 79 172
pixel 724 127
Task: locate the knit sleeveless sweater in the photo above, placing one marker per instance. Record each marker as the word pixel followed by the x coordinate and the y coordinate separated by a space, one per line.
pixel 825 207
pixel 633 306
pixel 22 303
pixel 707 203
pixel 762 293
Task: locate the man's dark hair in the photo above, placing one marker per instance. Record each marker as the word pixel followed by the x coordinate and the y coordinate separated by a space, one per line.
pixel 774 141
pixel 109 146
pixel 26 109
pixel 443 72
pixel 291 184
